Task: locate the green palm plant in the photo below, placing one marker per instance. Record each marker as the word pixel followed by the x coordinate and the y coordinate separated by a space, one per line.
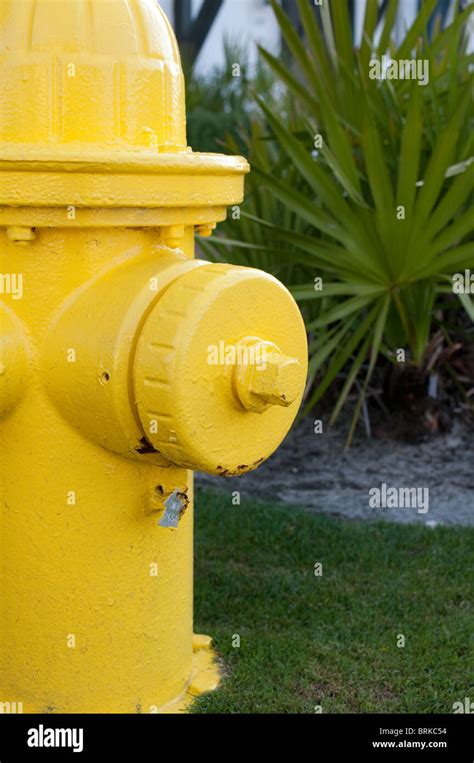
pixel 376 187
pixel 221 104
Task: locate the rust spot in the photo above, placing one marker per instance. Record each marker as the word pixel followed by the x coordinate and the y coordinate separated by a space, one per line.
pixel 185 498
pixel 146 447
pixel 240 471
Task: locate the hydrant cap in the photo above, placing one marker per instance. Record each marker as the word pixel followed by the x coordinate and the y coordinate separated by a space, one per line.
pixel 82 75
pixel 220 369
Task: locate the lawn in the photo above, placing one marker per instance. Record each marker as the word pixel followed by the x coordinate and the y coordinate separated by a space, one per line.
pixel 331 640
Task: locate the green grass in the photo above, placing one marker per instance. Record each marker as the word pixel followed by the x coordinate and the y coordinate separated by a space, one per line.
pixel 332 640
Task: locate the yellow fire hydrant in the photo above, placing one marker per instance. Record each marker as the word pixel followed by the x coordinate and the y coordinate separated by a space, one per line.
pixel 124 363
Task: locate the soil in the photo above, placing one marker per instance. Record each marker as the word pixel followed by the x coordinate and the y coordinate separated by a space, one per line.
pixel 315 471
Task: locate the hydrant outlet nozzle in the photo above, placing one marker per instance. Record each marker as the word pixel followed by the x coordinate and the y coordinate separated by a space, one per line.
pixel 203 364
pixel 269 378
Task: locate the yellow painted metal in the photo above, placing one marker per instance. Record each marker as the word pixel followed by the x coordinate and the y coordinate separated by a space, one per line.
pixel 113 385
pixel 186 360
pixel 13 358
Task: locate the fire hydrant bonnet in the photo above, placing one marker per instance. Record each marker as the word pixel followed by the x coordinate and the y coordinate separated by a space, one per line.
pixel 118 62
pixel 93 110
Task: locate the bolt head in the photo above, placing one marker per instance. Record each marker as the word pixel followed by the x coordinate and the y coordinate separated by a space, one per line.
pixel 20 236
pixel 277 381
pixel 206 229
pixel 269 378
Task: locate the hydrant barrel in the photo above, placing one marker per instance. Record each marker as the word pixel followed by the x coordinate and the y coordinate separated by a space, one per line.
pixel 125 363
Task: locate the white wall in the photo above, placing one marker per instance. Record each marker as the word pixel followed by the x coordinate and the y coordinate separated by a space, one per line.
pixel 406 17
pixel 247 22
pixel 167 6
pixel 408 10
pixel 471 31
pixel 252 23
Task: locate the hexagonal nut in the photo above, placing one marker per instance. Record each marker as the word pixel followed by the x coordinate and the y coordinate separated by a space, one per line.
pixel 277 380
pixel 20 236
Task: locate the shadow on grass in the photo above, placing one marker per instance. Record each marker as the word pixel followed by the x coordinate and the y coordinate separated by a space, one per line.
pixel 331 640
